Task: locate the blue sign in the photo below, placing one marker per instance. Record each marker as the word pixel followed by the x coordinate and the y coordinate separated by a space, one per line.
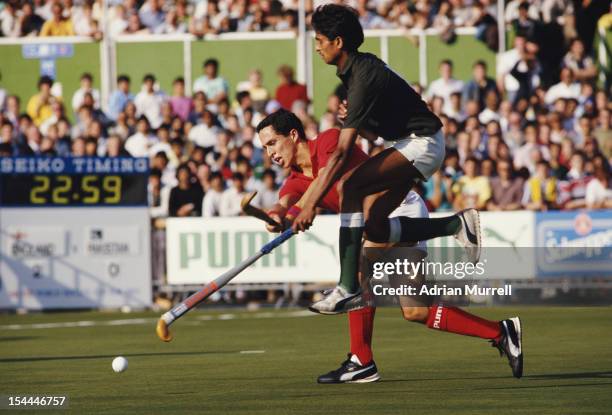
pixel 74 165
pixel 574 243
pixel 47 50
pixel 47 68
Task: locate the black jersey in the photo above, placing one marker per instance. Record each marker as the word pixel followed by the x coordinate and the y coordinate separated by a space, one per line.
pixel 381 101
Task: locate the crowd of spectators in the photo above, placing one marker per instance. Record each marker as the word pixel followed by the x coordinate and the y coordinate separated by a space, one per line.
pixel 201 17
pixel 537 137
pixel 507 148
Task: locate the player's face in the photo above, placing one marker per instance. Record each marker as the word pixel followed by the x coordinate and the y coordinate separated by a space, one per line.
pixel 280 148
pixel 328 49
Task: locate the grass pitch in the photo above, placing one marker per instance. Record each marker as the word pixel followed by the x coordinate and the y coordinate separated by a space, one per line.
pixel 267 363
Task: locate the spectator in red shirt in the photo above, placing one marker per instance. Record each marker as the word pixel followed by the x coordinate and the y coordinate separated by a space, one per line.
pixel 289 91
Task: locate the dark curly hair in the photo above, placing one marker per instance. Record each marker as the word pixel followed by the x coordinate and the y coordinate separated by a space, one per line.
pixel 334 20
pixel 283 121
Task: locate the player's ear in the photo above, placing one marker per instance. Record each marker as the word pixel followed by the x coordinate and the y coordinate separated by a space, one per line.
pixel 339 42
pixel 294 135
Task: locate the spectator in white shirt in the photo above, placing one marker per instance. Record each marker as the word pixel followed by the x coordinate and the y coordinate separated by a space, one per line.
pixel 205 134
pixel 158 195
pixel 566 89
pixel 215 87
pixel 231 198
pixel 149 101
pixel 505 63
pixel 138 144
pixel 79 94
pixel 445 86
pixel 267 196
pixel 211 203
pixel 598 191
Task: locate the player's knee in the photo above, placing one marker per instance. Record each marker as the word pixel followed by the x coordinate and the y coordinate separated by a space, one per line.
pixel 415 313
pixel 376 230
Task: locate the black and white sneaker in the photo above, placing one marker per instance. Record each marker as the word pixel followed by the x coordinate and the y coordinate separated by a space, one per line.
pixel 511 344
pixel 469 233
pixel 334 302
pixel 351 371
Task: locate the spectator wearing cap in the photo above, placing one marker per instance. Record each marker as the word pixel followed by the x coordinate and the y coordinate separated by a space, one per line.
pixel 181 104
pixel 507 190
pixel 211 203
pixel 186 197
pixel 138 144
pixel 119 97
pixel 231 198
pixel 478 87
pixel 39 106
pixel 541 190
pixel 149 101
pixel 57 25
pixel 289 91
pixel 567 88
pixel 85 87
pixel 214 86
pixel 445 85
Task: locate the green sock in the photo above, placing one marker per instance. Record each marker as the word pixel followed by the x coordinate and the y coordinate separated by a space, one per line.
pixel 422 229
pixel 350 247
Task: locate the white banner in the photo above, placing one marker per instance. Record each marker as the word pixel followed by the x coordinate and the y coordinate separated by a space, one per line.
pixel 198 250
pixel 75 258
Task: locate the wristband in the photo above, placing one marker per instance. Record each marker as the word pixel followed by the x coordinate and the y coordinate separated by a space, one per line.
pixel 294 211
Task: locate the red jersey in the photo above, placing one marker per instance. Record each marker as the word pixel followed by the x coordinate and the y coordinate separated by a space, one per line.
pixel 287 94
pixel 320 149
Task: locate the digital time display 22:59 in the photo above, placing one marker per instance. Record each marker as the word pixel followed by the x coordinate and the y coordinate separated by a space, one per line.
pixel 97 183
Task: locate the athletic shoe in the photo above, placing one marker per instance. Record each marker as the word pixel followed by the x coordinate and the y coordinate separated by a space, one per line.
pixel 511 345
pixel 334 302
pixel 469 233
pixel 351 371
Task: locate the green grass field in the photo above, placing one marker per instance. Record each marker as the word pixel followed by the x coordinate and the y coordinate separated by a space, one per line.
pixel 568 364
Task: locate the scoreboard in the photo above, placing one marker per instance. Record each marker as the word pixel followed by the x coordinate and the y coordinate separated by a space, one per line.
pixel 75 233
pixel 78 181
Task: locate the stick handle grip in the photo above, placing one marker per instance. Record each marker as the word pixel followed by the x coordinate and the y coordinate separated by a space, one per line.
pixel 277 241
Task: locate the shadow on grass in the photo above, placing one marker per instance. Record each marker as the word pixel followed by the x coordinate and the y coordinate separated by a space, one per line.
pixel 86 357
pixel 572 385
pixel 17 338
pixel 579 375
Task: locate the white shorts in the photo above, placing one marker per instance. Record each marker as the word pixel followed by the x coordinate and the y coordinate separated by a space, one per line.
pixel 426 153
pixel 412 206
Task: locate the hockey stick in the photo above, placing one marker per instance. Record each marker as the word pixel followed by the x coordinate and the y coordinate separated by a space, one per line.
pixel 251 210
pixel 193 300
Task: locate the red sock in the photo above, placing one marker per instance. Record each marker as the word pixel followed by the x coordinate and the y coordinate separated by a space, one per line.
pixel 455 320
pixel 361 326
